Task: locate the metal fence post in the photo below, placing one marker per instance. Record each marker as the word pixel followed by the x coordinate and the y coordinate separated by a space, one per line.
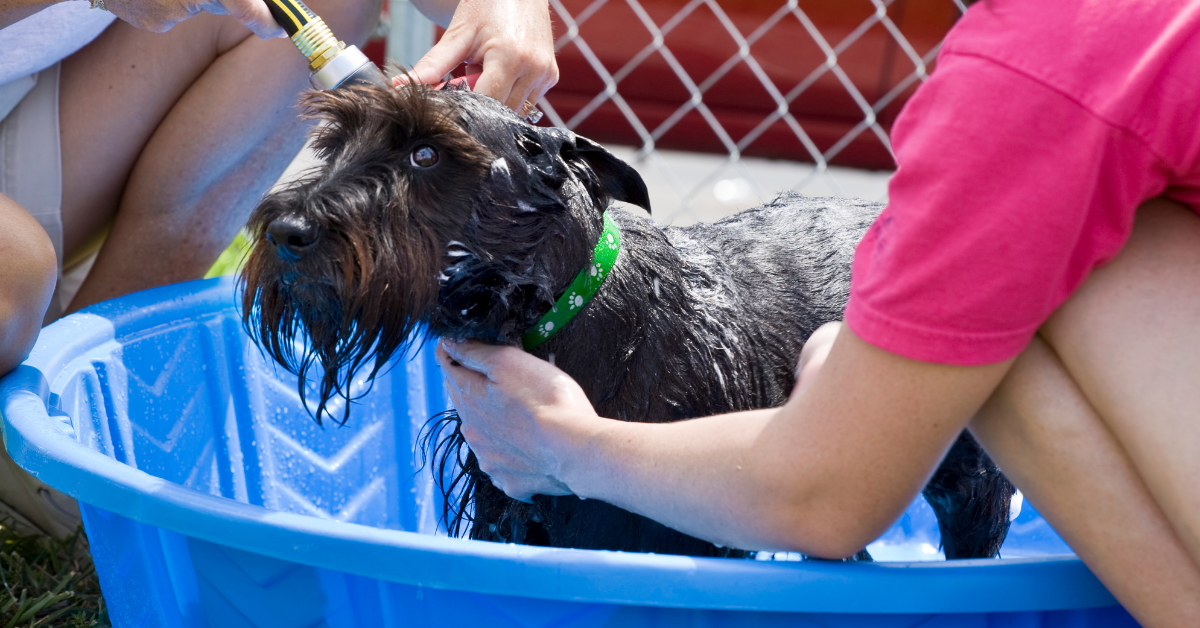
pixel 411 34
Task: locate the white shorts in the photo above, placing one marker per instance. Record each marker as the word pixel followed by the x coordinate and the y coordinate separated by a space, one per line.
pixel 31 167
pixel 31 175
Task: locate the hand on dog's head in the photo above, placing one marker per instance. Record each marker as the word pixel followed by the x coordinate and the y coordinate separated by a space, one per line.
pixel 434 208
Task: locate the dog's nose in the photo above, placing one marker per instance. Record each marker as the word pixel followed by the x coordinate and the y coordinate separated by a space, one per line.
pixel 292 236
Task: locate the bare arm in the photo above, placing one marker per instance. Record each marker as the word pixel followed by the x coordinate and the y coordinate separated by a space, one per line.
pixel 824 475
pixel 1090 464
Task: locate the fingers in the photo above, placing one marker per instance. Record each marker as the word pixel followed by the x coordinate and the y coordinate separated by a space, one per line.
pixel 519 92
pixel 454 47
pixel 497 81
pixel 548 81
pixel 517 75
pixel 511 39
pixel 489 420
pixel 547 78
pixel 253 14
pixel 517 486
pixel 474 70
pixel 154 17
pixel 475 356
pixel 458 372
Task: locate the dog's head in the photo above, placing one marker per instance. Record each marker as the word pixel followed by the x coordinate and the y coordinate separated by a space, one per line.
pixel 430 207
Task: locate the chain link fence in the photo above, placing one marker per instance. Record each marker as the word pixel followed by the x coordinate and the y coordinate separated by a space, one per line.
pixel 722 104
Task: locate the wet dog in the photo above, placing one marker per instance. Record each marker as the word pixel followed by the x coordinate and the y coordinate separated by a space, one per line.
pixel 441 211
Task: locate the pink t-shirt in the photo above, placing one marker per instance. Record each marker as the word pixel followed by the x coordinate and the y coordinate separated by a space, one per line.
pixel 1021 164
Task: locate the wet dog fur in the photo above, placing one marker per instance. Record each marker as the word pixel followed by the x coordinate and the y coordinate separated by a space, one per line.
pixel 377 246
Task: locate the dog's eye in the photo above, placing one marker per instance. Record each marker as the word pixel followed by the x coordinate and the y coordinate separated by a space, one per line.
pixel 424 156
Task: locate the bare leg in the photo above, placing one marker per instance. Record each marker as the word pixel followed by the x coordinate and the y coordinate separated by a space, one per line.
pixel 27 277
pixel 179 135
pixel 1050 442
pixel 1130 338
pixel 26 281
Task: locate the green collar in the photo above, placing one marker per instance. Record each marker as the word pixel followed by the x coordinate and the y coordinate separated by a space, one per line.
pixel 581 290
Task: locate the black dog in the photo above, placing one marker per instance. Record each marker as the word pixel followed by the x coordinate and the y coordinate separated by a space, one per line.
pixel 442 209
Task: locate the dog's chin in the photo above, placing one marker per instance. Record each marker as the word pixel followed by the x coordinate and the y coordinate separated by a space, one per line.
pixel 327 333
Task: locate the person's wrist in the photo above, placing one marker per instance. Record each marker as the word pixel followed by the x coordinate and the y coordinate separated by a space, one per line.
pixel 577 452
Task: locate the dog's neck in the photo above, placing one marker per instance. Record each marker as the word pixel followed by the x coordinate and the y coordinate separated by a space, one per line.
pixel 575 297
pixel 661 312
pixel 509 273
pixel 680 325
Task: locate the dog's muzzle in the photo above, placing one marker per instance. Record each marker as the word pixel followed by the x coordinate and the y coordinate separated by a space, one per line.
pixel 292 237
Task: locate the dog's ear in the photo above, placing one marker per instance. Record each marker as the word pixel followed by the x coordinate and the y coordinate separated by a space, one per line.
pixel 343 112
pixel 618 180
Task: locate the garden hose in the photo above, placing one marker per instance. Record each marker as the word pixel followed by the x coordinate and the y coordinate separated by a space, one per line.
pixel 332 62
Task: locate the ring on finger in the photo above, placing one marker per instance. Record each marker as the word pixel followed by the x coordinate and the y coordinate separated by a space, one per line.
pixel 530 112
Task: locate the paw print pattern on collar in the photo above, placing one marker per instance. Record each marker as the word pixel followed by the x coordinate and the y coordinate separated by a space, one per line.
pixel 582 288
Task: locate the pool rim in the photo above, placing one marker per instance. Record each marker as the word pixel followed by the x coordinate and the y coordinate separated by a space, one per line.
pixel 43 445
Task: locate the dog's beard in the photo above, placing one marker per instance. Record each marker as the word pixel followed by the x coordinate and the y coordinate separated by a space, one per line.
pixel 334 317
pixel 456 472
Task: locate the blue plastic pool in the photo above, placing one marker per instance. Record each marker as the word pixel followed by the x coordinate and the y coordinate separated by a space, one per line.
pixel 212 500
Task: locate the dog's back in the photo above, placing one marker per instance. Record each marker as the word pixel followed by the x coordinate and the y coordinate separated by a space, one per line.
pixel 710 318
pixel 774 273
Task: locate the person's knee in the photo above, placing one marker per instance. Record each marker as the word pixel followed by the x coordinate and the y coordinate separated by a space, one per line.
pixel 27 278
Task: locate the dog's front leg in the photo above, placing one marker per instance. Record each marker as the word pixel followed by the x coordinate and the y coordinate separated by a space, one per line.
pixel 970 497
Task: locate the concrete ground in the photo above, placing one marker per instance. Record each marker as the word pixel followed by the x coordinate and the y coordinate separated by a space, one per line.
pixel 698 187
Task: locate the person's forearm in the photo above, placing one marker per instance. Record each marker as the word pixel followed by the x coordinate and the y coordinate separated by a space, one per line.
pixel 821 476
pixel 13 11
pixel 704 477
pixel 1041 430
pixel 824 474
pixel 735 480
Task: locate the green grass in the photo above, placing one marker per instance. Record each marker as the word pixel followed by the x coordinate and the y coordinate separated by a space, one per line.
pixel 46 582
pixel 231 260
